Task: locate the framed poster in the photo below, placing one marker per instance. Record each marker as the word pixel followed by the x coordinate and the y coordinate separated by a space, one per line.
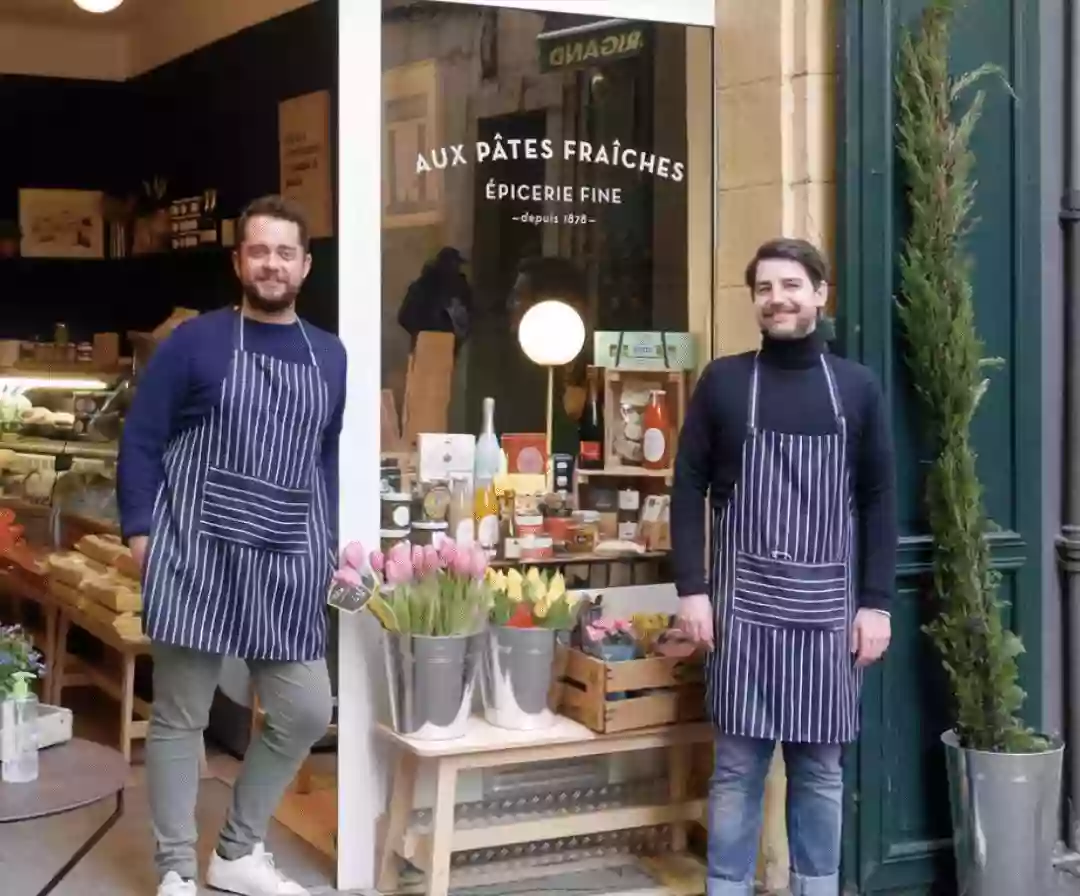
pixel 304 149
pixel 62 223
pixel 410 126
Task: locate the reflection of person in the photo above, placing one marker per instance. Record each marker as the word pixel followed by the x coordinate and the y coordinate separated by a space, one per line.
pixel 440 299
pixel 794 446
pixel 228 467
pixel 551 277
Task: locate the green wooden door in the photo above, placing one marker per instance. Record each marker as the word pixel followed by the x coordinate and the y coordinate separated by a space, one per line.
pixel 897 826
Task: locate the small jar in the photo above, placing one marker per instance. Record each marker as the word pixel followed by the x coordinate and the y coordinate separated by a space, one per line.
pixel 396 510
pixel 390 537
pixel 557 527
pixel 436 503
pixel 425 532
pixel 528 525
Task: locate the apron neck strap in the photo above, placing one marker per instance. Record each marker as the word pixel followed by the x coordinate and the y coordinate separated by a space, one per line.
pixel 755 394
pixel 298 322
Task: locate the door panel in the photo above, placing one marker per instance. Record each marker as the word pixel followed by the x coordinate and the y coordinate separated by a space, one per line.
pixel 897 832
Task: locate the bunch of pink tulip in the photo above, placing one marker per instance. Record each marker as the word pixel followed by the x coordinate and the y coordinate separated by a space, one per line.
pixel 422 590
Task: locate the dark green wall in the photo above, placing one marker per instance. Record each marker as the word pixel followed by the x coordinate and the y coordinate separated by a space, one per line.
pixel 897 832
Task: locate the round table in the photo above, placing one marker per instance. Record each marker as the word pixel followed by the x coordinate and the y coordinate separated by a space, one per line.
pixel 72 776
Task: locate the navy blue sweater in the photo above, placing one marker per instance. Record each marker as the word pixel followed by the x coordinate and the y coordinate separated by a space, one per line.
pixel 182 385
pixel 794 399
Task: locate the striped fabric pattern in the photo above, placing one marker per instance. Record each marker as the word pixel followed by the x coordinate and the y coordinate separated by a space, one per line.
pixel 240 552
pixel 783 588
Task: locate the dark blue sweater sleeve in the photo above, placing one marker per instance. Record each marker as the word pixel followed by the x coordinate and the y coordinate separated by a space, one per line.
pixel 875 499
pixel 694 463
pixel 148 427
pixel 331 445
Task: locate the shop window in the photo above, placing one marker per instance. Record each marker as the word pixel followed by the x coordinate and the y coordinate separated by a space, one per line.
pixel 528 157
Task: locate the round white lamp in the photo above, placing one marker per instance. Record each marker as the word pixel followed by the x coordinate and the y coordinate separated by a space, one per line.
pixel 551 334
pixel 98 5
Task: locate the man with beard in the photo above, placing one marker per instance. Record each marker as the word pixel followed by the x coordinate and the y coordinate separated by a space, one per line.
pixel 227 486
pixel 792 445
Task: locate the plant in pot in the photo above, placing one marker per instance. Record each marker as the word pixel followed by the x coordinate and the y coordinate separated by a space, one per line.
pixel 1004 778
pixel 433 607
pixel 528 615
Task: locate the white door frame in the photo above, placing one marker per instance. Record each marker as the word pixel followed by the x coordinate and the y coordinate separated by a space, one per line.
pixel 362 766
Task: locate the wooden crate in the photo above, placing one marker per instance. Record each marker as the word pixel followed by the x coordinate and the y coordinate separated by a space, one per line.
pixel 673 691
pixel 674 382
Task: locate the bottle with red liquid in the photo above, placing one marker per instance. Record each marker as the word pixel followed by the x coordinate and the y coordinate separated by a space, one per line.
pixel 656 441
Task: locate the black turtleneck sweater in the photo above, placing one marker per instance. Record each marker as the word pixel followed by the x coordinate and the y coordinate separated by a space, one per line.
pixel 794 398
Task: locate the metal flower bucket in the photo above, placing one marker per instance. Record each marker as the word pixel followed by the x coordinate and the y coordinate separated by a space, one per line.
pixel 517 677
pixel 1005 818
pixel 432 681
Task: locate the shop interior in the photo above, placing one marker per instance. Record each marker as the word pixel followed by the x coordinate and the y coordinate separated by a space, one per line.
pixel 542 292
pixel 133 138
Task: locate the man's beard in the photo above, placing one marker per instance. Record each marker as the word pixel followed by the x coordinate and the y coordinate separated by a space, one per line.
pixel 275 305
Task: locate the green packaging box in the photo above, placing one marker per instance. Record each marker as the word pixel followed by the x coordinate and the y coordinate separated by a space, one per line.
pixel 644 350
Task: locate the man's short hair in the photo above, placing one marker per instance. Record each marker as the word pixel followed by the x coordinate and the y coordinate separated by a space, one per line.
pixel 801 251
pixel 280 209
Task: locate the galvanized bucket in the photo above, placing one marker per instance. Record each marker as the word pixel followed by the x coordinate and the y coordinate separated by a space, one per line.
pixel 432 681
pixel 516 677
pixel 1005 818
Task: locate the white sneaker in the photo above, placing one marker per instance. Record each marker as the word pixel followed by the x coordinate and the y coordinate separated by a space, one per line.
pixel 253 875
pixel 174 885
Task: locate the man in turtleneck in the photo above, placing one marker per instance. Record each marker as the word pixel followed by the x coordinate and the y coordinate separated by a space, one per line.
pixel 792 446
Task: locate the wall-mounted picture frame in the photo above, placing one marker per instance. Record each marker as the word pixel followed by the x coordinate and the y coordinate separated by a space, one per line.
pixel 62 223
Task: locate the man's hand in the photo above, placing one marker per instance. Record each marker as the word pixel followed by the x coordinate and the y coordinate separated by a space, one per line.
pixel 870 635
pixel 695 618
pixel 137 544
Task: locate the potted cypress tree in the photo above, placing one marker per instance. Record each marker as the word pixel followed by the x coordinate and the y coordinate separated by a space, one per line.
pixel 1004 778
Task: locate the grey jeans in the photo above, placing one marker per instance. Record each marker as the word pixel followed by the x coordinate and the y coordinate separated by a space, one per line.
pixel 298 705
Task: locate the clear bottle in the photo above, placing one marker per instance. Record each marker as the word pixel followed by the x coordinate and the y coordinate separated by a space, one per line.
pixel 462 524
pixel 488 461
pixel 18 727
pixel 486 516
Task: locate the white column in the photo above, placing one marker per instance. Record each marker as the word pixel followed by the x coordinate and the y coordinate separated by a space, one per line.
pixel 361 778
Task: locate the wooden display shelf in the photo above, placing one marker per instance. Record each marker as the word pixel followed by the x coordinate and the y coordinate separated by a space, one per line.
pixel 62 447
pixel 484 746
pixel 60 370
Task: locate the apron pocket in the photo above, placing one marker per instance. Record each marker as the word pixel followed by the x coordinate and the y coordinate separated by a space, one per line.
pixel 786 594
pixel 254 513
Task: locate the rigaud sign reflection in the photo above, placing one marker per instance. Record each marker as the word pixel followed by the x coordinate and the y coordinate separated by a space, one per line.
pixel 577 48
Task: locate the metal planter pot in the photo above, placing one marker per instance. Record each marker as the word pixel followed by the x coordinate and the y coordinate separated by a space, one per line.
pixel 1005 818
pixel 516 678
pixel 432 681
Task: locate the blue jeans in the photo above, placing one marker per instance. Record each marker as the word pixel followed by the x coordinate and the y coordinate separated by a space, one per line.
pixel 815 787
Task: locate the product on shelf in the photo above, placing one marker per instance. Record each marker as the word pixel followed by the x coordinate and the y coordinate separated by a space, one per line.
pixel 656 441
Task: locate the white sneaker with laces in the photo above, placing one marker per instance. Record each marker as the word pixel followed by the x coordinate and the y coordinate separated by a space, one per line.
pixel 174 885
pixel 252 875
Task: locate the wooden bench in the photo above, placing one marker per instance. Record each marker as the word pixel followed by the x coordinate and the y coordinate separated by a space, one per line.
pixel 485 746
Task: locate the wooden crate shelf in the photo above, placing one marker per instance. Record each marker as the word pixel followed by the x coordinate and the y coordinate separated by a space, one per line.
pixel 673 382
pixel 613 697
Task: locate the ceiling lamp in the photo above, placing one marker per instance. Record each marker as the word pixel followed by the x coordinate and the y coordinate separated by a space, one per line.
pixel 98 5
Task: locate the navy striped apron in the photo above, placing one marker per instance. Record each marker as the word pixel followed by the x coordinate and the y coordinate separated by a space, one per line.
pixel 240 554
pixel 783 588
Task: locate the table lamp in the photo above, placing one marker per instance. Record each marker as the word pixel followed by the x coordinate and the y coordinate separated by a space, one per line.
pixel 551 334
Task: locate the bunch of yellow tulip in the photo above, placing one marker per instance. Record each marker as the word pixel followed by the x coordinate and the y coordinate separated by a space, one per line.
pixel 533 600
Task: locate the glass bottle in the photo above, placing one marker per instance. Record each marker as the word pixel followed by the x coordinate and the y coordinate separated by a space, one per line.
pixel 656 440
pixel 591 429
pixel 462 524
pixel 488 459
